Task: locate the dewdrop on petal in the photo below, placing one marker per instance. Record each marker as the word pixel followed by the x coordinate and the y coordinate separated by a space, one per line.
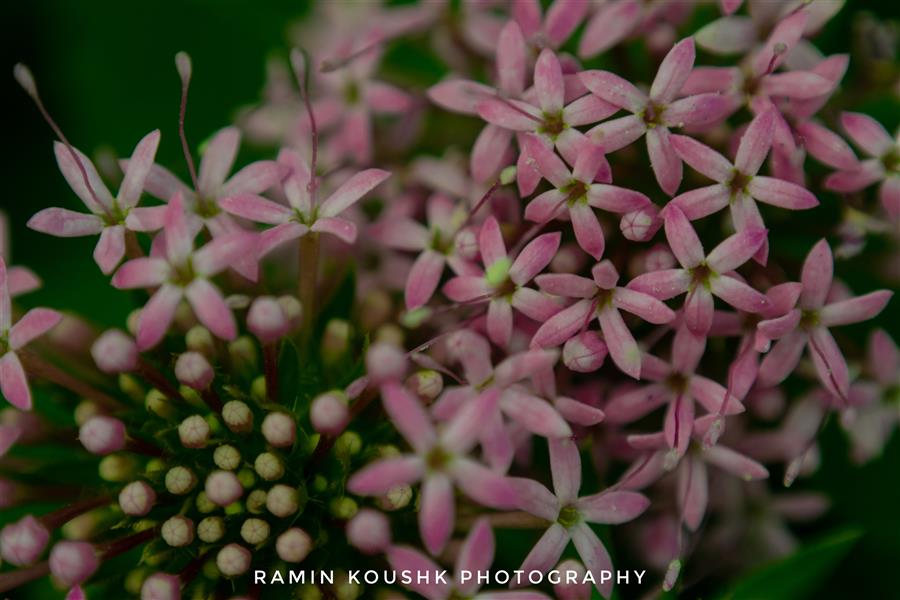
pixel 102 435
pixel 237 416
pixel 211 529
pixel 267 320
pixel 385 362
pixel 161 586
pixel 193 370
pixel 233 560
pixel 255 531
pixel 268 466
pixel 282 501
pixel 585 352
pixel 72 563
pixel 223 487
pixel 329 413
pixel 566 589
pixel 193 432
pixel 180 480
pixel 279 429
pixel 227 457
pixel 369 531
pixel 293 545
pixel 137 498
pixel 23 542
pixel 178 531
pixel 115 352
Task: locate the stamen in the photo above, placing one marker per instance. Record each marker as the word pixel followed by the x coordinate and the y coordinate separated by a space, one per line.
pixel 330 65
pixel 183 65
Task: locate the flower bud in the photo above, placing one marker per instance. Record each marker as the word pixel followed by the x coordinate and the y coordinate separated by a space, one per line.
pixel 223 487
pixel 178 531
pixel 243 354
pixel 426 384
pixel 204 504
pixel 375 310
pixel 233 560
pixel 267 320
pixel 161 586
pixel 283 501
pixel 117 467
pixel 193 370
pixel 227 457
pixel 348 444
pixel 211 529
pixel 115 352
pixel 343 508
pixel 570 258
pixel 199 339
pixel 293 545
pixel 640 225
pixel 137 498
pixel 157 403
pixel 84 411
pixel 385 362
pixel 82 527
pixel 72 563
pixel 269 466
pixel 566 589
pixel 369 531
pixel 585 352
pixel 335 340
pixel 293 310
pixel 23 542
pixel 466 243
pixel 256 501
pixel 397 498
pixel 102 435
pixel 180 480
pixel 329 413
pixel 389 333
pixel 279 429
pixel 237 416
pixel 255 531
pixel 193 432
pixel 131 321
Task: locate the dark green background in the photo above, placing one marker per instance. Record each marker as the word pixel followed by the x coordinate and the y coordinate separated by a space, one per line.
pixel 106 72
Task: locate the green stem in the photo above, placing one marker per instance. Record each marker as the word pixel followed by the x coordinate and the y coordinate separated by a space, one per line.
pixel 309 272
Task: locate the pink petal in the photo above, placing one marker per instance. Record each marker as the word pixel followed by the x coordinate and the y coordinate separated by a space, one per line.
pixel 71 171
pixel 9 435
pixel 146 218
pixel 400 233
pixel 588 162
pixel 693 492
pixel 22 281
pixel 623 349
pixel 379 478
pixel 547 551
pixel 725 80
pixel 702 158
pixel 278 235
pixel 829 362
pixel 616 199
pixel 884 357
pixel 579 413
pixel 509 114
pixel 566 284
pixel 65 223
pixel 162 183
pixel 534 258
pixel 489 153
pixel 424 278
pixel 889 194
pixel 736 250
pixel 777 328
pixel 13 382
pixel 141 273
pixel 618 133
pixel 679 423
pixel 782 359
pixel 673 71
pixel 867 133
pixel 138 169
pixel 698 310
pixel 534 305
pixel 826 146
pixel 612 507
pixel 157 315
pixel 223 251
pixel 385 98
pixel 490 242
pixel 587 229
pixel 796 84
pixel 865 174
pixel 563 16
pixel 459 95
pixel 698 110
pixel 682 238
pixel 594 555
pixel 511 60
pixel 664 160
pixel 500 321
pixel 745 215
pixel 663 284
pixel 255 178
pixel 546 206
pixel 548 82
pixel 476 554
pixel 217 161
pixel 588 109
pixel 563 325
pixel 740 295
pixel 342 229
pixel 528 15
pixel 408 416
pixel 634 404
pixel 211 309
pixel 781 193
pixel 735 463
pixel 467 288
pixel 755 143
pixel 855 310
pixel 643 305
pixel 816 276
pixel 612 22
pixel 535 414
pixel 548 163
pixel 703 202
pixel 483 485
pixel 110 248
pixel 412 561
pixel 436 512
pixel 728 35
pixel 614 89
pixel 179 239
pixel 352 190
pixel 533 498
pixel 35 323
pixel 782 39
pixel 712 396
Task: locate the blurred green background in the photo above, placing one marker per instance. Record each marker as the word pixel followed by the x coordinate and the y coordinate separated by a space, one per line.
pixel 106 72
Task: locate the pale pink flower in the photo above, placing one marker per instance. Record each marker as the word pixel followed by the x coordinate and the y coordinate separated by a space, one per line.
pixel 476 556
pixel 19 280
pixel 439 460
pixel 611 23
pixel 108 215
pixel 182 272
pixel 654 114
pixel 738 184
pixel 570 514
pixel 305 213
pixel 14 337
pixel 576 194
pixel 504 281
pixel 808 324
pixel 702 275
pixel 550 29
pixel 602 298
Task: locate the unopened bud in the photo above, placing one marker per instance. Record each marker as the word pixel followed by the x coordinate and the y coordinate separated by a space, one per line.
pixel 672 573
pixel 385 362
pixel 183 66
pixel 279 429
pixel 193 370
pixel 585 352
pixel 348 444
pixel 178 531
pixel 180 480
pixel 293 310
pixel 233 560
pixel 269 466
pixel 640 225
pixel 329 413
pixel 237 416
pixel 375 310
pixel 389 333
pixel 23 75
pixel 204 504
pixel 508 175
pixel 243 354
pixel 255 531
pixel 267 320
pixel 72 563
pixel 102 435
pixel 137 498
pixel 466 243
pixel 223 487
pixel 199 339
pixel 23 542
pixel 293 545
pixel 131 322
pixel 343 508
pixel 227 457
pixel 161 586
pixel 426 384
pixel 397 498
pixel 193 432
pixel 84 411
pixel 115 352
pixel 256 501
pixel 283 501
pixel 369 531
pixel 117 468
pixel 335 340
pixel 157 403
pixel 211 529
pixel 572 584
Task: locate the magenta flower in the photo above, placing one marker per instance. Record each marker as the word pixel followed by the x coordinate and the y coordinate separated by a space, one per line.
pixel 883 166
pixel 570 514
pixel 182 272
pixel 548 118
pixel 576 193
pixel 807 325
pixel 475 556
pixel 504 281
pixel 738 184
pixel 304 214
pixel 600 298
pixel 655 113
pixel 677 384
pixel 439 460
pixel 13 338
pixel 704 276
pixel 108 216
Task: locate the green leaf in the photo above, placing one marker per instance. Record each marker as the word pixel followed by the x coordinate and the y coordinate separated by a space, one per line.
pixel 798 575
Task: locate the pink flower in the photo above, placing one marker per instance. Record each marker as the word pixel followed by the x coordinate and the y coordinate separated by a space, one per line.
pixel 439 460
pixel 504 281
pixel 553 28
pixel 570 514
pixel 610 24
pixel 807 325
pixel 304 214
pixel 13 338
pixel 738 184
pixel 654 114
pixel 475 556
pixel 108 215
pixel 182 272
pixel 883 166
pixel 576 193
pixel 600 297
pixel 19 280
pixel 704 276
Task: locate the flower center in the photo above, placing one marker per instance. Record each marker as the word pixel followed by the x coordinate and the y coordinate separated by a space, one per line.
pixel 653 115
pixel 568 516
pixel 575 191
pixel 553 124
pixel 809 319
pixel 351 93
pixel 677 382
pixel 439 243
pixel 206 208
pixel 603 298
pixel 182 275
pixel 738 183
pixel 701 274
pixel 891 160
pixel 437 459
pixel 497 273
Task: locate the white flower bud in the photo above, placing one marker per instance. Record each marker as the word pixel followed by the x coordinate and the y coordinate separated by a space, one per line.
pixel 385 362
pixel 233 560
pixel 180 480
pixel 115 352
pixel 293 545
pixel 194 432
pixel 279 429
pixel 237 416
pixel 199 339
pixel 283 501
pixel 211 529
pixel 255 531
pixel 267 320
pixel 193 370
pixel 137 498
pixel 223 487
pixel 256 501
pixel 178 531
pixel 329 413
pixel 369 531
pixel 269 466
pixel 227 457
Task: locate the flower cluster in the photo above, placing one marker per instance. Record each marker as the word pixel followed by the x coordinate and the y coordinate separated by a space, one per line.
pixel 303 381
